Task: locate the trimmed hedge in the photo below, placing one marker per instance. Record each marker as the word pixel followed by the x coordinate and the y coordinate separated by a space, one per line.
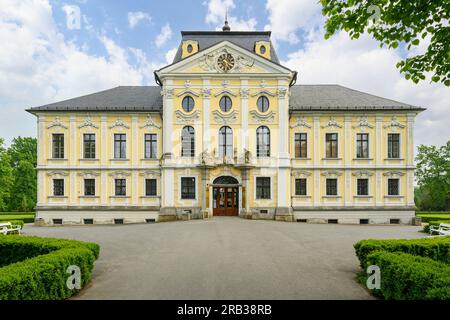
pixel 435 248
pixel 408 277
pixel 24 218
pixel 36 268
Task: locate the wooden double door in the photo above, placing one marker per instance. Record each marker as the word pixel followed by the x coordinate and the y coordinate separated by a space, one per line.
pixel 225 201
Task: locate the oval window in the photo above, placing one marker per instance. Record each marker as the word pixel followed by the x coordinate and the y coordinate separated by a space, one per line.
pixel 263 104
pixel 188 104
pixel 262 49
pixel 190 48
pixel 225 104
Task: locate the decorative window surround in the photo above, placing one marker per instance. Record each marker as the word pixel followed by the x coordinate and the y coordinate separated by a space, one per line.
pixel 300 174
pixel 259 118
pixel 119 175
pixel 363 123
pixel 226 92
pixel 332 123
pixel 56 123
pixel 362 174
pixel 149 123
pixel 88 123
pixel 188 92
pixel 263 92
pixel 301 122
pixel 332 174
pixel 119 124
pixel 394 124
pixel 393 174
pixel 183 118
pixel 225 119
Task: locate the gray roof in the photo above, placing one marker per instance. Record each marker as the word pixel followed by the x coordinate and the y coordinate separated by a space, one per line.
pixel 303 98
pixel 335 97
pixel 126 98
pixel 243 39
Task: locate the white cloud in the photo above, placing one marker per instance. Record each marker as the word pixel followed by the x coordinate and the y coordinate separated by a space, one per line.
pixel 287 16
pixel 134 18
pixel 361 64
pixel 216 15
pixel 164 36
pixel 38 65
pixel 170 55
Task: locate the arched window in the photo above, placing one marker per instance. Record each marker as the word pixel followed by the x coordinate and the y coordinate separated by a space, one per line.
pixel 188 142
pixel 225 142
pixel 263 104
pixel 188 104
pixel 263 142
pixel 225 103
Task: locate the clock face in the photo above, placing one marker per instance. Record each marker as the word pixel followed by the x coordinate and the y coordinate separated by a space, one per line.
pixel 225 62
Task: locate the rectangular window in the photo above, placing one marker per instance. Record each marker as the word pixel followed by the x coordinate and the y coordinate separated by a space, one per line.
pixel 89 187
pixel 331 140
pixel 58 187
pixel 58 146
pixel 150 187
pixel 300 187
pixel 393 185
pixel 187 188
pixel 89 145
pixel 150 146
pixel 331 187
pixel 262 188
pixel 121 187
pixel 393 145
pixel 362 187
pixel 120 146
pixel 362 145
pixel 301 145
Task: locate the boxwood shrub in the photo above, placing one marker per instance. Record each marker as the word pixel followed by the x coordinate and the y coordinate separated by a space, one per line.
pixel 437 248
pixel 408 277
pixel 36 268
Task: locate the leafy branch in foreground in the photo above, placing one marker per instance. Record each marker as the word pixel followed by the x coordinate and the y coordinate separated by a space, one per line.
pixel 395 22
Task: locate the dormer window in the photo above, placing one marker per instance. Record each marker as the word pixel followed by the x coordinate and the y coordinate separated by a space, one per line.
pixel 262 49
pixel 189 48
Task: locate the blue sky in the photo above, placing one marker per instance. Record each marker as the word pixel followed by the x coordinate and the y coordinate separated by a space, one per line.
pixel 43 59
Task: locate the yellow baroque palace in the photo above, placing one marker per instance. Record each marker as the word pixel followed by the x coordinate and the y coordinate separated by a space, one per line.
pixel 225 132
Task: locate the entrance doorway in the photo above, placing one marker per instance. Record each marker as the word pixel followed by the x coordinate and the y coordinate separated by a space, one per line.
pixel 225 197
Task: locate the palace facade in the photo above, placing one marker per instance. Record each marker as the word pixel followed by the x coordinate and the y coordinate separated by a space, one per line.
pixel 226 132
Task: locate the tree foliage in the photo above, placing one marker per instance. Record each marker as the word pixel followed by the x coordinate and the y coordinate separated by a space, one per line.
pixel 18 181
pixel 433 177
pixel 24 191
pixel 6 177
pixel 397 22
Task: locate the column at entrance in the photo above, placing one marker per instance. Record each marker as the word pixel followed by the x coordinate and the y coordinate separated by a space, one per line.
pixel 245 211
pixel 206 208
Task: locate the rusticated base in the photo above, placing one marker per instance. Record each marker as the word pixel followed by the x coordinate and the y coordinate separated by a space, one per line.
pixel 284 214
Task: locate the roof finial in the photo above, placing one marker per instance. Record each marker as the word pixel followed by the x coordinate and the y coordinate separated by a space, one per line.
pixel 226 27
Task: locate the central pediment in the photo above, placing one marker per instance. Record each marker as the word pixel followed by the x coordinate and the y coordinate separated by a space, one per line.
pixel 224 58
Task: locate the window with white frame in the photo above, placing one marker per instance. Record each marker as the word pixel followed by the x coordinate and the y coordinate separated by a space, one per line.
pixel 263 188
pixel 188 142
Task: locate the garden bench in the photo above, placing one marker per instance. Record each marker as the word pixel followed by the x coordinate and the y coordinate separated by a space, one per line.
pixel 443 229
pixel 7 227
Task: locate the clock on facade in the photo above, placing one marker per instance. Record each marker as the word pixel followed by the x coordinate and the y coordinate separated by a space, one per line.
pixel 225 62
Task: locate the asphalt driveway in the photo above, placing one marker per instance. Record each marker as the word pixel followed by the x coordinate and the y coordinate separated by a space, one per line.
pixel 225 258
